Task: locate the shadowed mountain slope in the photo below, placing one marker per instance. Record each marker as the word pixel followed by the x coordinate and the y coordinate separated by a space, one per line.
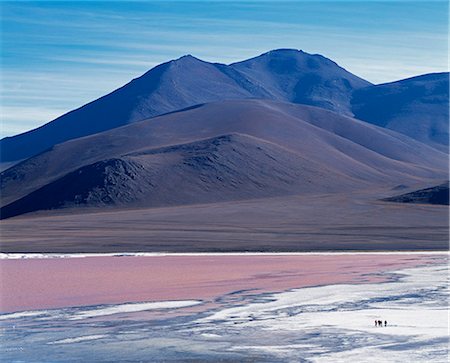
pixel 287 75
pixel 226 150
pixel 223 168
pixel 434 195
pixel 417 107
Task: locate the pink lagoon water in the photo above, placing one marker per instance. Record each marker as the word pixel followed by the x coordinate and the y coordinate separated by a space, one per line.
pixel 46 283
pixel 263 308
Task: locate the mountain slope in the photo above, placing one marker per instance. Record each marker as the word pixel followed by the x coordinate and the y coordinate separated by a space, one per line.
pixel 189 81
pixel 435 195
pixel 417 107
pixel 228 167
pixel 165 88
pixel 310 145
pixel 299 77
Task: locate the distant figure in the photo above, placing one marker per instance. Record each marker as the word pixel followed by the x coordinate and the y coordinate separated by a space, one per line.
pixel 376 323
pixel 380 323
pixel 385 323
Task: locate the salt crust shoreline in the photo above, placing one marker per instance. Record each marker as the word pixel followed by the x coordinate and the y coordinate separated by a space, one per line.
pixel 18 256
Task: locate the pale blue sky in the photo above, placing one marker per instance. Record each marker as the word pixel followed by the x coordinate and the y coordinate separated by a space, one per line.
pixel 57 56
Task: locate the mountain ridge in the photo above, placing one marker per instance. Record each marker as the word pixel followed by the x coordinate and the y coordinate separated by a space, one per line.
pixel 341 152
pixel 170 86
pixel 417 106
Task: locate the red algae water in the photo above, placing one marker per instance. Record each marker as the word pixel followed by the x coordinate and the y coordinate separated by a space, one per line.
pixel 46 283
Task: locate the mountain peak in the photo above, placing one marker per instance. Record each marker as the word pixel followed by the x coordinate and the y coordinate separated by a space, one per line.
pixel 289 55
pixel 283 52
pixel 186 58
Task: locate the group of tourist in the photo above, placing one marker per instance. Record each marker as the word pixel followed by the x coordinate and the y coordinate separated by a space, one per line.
pixel 380 323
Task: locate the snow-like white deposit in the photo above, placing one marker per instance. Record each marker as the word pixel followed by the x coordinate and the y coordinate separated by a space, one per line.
pixel 78 339
pixel 22 256
pixel 333 323
pixel 133 308
pixel 80 313
pixel 415 307
pixel 319 300
pixel 22 314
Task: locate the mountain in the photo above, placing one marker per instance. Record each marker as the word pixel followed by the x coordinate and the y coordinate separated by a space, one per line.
pixel 299 77
pixel 219 151
pixel 287 75
pixel 167 87
pixel 417 107
pixel 223 168
pixel 435 195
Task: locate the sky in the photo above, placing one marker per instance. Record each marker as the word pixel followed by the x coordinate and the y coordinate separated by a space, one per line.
pixel 59 55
